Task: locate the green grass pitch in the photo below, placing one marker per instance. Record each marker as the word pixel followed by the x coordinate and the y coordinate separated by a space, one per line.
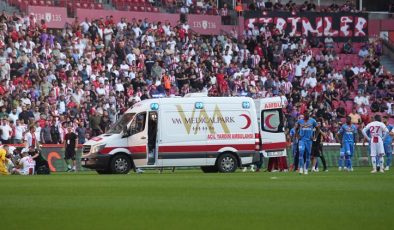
pixel 190 199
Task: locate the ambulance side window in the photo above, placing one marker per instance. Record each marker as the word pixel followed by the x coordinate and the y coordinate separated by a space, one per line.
pixel 138 124
pixel 272 120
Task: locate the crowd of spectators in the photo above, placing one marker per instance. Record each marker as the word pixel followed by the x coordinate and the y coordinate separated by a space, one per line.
pixel 89 73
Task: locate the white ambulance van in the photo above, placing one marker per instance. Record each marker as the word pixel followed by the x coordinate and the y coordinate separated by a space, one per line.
pixel 214 133
pixel 271 124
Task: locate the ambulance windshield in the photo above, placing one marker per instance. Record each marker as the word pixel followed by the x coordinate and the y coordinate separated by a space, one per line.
pixel 121 123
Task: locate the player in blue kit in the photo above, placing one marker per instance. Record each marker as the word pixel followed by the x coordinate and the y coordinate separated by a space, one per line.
pixel 341 160
pixel 294 146
pixel 387 143
pixel 348 133
pixel 304 131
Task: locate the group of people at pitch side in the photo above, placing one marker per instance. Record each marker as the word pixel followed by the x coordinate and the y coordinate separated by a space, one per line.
pixel 26 161
pixel 307 144
pixel 29 161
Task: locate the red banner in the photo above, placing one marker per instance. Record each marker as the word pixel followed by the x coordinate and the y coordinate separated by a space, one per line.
pixel 202 24
pixel 341 26
pixel 205 24
pixel 152 17
pixel 56 17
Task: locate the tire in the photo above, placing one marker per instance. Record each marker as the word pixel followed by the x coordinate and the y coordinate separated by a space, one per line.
pixel 120 164
pixel 227 163
pixel 209 169
pixel 103 171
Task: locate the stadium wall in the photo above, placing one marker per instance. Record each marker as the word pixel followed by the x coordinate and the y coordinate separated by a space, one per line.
pixel 54 154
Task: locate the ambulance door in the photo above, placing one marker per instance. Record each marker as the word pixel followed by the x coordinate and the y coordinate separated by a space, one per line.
pixel 138 139
pixel 273 137
pixel 152 137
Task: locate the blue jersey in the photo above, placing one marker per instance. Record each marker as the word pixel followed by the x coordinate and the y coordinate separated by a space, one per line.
pixel 348 133
pixel 388 138
pixel 305 129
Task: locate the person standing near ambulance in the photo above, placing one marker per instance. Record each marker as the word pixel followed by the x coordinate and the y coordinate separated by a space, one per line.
pixel 378 131
pixel 70 146
pixel 304 132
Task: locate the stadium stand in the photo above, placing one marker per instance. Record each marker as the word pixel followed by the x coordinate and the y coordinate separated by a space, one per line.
pixel 59 77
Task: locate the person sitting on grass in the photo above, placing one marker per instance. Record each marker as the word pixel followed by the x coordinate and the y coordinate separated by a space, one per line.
pixel 26 165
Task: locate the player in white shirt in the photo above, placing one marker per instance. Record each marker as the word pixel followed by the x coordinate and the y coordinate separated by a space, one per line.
pixel 377 132
pixel 26 165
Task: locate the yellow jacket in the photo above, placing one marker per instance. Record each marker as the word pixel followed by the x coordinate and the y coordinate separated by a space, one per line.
pixel 3 160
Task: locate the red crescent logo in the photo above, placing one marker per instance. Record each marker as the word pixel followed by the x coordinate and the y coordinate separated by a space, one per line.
pixel 267 121
pixel 50 156
pixel 248 121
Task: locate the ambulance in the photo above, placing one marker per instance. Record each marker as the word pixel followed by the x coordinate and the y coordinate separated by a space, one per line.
pixel 218 134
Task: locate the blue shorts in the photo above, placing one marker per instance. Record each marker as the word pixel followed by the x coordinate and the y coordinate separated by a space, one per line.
pixel 388 148
pixel 305 147
pixel 348 148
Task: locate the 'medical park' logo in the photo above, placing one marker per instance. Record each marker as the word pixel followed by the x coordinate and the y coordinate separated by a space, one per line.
pixel 202 121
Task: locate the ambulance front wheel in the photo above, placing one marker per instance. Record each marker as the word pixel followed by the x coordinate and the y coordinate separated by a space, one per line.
pixel 227 163
pixel 120 164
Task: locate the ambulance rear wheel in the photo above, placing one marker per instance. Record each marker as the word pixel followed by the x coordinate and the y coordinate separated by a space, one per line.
pixel 227 163
pixel 120 164
pixel 209 169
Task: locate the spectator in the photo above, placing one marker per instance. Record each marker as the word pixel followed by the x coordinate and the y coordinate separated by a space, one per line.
pixel 268 5
pixel 329 42
pixel 363 52
pixel 5 131
pixel 348 47
pixel 356 118
pixel 390 111
pixel 360 99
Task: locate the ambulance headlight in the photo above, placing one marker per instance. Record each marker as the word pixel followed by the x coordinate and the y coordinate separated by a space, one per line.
pixel 97 148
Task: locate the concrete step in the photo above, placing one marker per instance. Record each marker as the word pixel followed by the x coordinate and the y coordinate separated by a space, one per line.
pixel 4 6
pixel 387 63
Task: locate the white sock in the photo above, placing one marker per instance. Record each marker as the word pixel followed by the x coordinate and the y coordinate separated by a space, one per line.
pixel 381 162
pixel 373 159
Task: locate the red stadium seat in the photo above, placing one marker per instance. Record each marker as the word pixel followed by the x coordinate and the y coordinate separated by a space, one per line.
pixel 99 6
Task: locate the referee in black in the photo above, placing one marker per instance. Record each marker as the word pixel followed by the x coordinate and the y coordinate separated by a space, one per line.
pixel 70 146
pixel 317 148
